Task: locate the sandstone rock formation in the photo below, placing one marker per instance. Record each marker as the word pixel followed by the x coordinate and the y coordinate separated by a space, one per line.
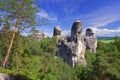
pixel 57 31
pixel 90 40
pixel 39 36
pixel 76 35
pixel 76 30
pixel 4 77
pixel 72 48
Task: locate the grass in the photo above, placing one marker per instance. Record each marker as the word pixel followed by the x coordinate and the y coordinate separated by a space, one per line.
pixel 107 40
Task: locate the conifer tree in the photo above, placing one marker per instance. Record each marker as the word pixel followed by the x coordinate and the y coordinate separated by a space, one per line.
pixel 17 15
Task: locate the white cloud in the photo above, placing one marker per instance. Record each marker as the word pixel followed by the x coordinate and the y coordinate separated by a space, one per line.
pixel 63 33
pixel 103 17
pixel 107 32
pixel 44 14
pixel 49 34
pixel 52 18
pixel 69 7
pixel 98 32
pixel 99 18
pixel 66 33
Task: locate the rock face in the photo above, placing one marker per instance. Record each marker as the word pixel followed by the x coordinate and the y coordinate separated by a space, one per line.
pixel 57 31
pixel 90 40
pixel 39 36
pixel 4 77
pixel 76 30
pixel 72 48
pixel 76 35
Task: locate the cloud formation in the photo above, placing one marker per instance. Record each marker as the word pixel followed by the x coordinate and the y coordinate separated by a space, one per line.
pixel 44 14
pixel 103 17
pixel 66 33
pixel 49 34
pixel 66 11
pixel 107 32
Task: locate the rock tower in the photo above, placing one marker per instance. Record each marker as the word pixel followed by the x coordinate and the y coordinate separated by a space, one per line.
pixel 90 40
pixel 72 48
pixel 57 31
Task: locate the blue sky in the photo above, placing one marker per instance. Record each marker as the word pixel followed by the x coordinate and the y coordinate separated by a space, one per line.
pixel 101 15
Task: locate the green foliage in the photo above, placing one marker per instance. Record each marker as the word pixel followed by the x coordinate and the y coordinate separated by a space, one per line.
pixel 37 61
pixel 28 67
pixel 85 72
pixel 54 69
pixel 103 65
pixel 106 66
pixel 107 41
pixel 2 47
pixel 14 8
pixel 109 47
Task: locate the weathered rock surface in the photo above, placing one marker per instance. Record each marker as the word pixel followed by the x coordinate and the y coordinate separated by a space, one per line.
pixel 4 77
pixel 76 30
pixel 39 36
pixel 57 31
pixel 66 51
pixel 90 40
pixel 72 48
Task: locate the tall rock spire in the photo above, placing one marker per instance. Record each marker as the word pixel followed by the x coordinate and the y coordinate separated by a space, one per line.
pixel 90 40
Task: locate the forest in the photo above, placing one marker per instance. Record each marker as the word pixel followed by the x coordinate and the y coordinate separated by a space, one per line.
pixel 24 58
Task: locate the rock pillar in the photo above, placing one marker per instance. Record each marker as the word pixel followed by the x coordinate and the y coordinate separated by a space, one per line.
pixel 76 30
pixel 90 40
pixel 76 36
pixel 57 31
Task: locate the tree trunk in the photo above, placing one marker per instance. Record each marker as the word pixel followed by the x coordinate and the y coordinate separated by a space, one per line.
pixel 12 39
pixel 7 36
pixel 9 49
pixel 17 49
pixel 17 66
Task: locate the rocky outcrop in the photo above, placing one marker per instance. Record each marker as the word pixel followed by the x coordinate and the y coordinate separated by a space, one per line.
pixel 72 48
pixel 90 40
pixel 57 31
pixel 4 77
pixel 76 30
pixel 76 35
pixel 7 76
pixel 39 36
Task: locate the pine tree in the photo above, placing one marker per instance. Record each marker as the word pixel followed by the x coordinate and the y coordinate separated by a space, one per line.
pixel 18 15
